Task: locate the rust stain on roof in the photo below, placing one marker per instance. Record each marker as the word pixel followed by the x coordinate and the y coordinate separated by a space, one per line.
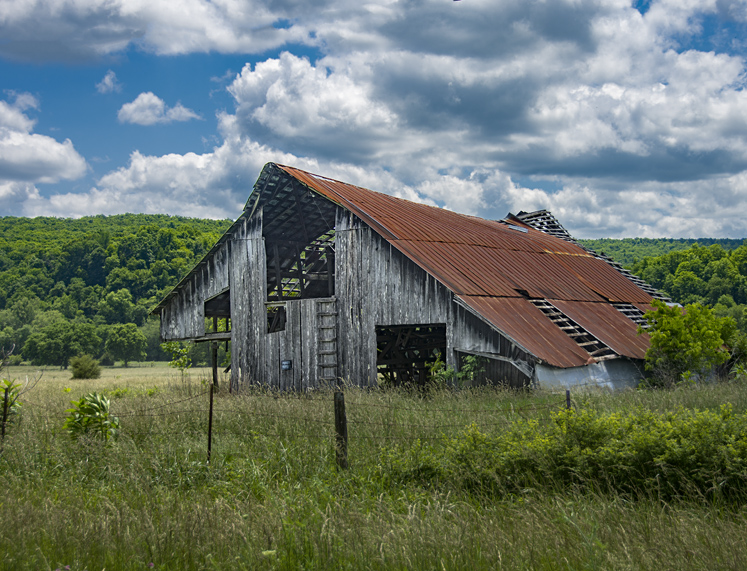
pixel 608 325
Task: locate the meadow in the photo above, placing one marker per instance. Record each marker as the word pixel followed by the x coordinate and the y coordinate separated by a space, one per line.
pixel 272 496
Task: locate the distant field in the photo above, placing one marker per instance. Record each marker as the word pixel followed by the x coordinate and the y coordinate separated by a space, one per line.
pixel 272 497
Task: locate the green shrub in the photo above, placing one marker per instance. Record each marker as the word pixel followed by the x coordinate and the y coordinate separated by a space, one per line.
pixel 642 453
pixel 85 367
pixel 90 415
pixel 686 343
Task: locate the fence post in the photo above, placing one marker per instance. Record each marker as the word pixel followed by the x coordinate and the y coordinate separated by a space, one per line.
pixel 568 399
pixel 341 430
pixel 214 351
pixel 212 388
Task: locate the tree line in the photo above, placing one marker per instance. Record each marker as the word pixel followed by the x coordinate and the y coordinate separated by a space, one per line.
pixel 87 285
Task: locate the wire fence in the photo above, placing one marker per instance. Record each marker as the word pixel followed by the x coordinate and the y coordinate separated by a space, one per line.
pixel 314 416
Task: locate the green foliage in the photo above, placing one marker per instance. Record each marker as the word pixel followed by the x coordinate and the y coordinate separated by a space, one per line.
pixel 629 251
pixel 126 342
pixel 95 270
pixel 85 367
pixel 10 406
pixel 90 416
pixel 443 376
pixel 640 453
pixel 180 358
pixel 686 342
pixel 56 343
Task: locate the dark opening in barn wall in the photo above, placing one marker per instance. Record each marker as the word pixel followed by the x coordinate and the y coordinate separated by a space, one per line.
pixel 299 234
pixel 404 352
pixel 218 313
pixel 276 317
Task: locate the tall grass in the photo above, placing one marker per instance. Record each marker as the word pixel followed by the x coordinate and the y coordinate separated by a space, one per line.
pixel 272 497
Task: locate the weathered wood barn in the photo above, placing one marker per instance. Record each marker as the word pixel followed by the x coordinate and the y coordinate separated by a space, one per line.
pixel 319 281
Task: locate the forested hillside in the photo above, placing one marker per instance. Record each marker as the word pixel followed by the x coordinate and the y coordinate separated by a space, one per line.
pixel 707 275
pixel 66 284
pixel 628 251
pixel 71 286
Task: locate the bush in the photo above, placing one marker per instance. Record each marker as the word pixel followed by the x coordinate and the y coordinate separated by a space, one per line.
pixel 686 343
pixel 85 367
pixel 90 415
pixel 671 455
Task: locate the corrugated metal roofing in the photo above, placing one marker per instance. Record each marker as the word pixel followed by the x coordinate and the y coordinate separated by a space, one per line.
pixel 492 266
pixel 608 325
pixel 528 327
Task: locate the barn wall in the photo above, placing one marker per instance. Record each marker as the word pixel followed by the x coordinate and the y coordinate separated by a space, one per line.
pixel 377 285
pixel 246 278
pixel 184 315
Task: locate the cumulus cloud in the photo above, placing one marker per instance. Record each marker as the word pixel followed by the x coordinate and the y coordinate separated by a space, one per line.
pixel 615 118
pixel 149 109
pixel 109 83
pixel 39 30
pixel 27 157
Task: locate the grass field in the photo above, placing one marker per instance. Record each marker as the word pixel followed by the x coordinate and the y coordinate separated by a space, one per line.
pixel 273 498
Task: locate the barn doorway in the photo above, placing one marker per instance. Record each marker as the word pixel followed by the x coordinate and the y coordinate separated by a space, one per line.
pixel 405 352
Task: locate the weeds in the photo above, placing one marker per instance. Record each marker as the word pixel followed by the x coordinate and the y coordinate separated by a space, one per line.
pixel 272 499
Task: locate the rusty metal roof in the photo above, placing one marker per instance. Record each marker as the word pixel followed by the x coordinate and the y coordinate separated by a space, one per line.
pixel 495 266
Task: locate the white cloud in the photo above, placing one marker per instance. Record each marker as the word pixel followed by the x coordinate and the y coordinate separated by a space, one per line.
pixel 149 109
pixel 30 157
pixel 632 129
pixel 109 83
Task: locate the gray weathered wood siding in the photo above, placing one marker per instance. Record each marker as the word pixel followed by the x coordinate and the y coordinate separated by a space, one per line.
pixel 378 285
pixel 375 285
pixel 184 316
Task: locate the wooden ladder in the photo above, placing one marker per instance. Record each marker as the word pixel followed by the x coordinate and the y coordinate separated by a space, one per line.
pixel 581 336
pixel 326 319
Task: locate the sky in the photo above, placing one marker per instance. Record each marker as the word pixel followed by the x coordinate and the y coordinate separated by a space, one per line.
pixel 624 119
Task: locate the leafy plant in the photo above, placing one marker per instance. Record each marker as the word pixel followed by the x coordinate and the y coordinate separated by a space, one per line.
pixel 685 342
pixel 85 367
pixel 180 358
pixel 442 375
pixel 90 415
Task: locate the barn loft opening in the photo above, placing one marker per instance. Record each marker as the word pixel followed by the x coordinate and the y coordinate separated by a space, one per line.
pixel 299 233
pixel 404 352
pixel 218 313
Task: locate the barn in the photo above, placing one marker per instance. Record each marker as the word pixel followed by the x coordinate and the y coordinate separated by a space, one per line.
pixel 319 281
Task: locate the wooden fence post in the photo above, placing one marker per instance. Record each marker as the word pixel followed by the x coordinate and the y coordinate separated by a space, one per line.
pixel 214 351
pixel 568 399
pixel 341 430
pixel 212 388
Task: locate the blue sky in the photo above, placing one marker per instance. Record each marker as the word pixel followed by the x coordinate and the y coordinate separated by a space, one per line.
pixel 623 118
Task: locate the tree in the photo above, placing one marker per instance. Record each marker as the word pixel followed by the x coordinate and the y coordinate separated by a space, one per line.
pixel 686 341
pixel 126 343
pixel 55 343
